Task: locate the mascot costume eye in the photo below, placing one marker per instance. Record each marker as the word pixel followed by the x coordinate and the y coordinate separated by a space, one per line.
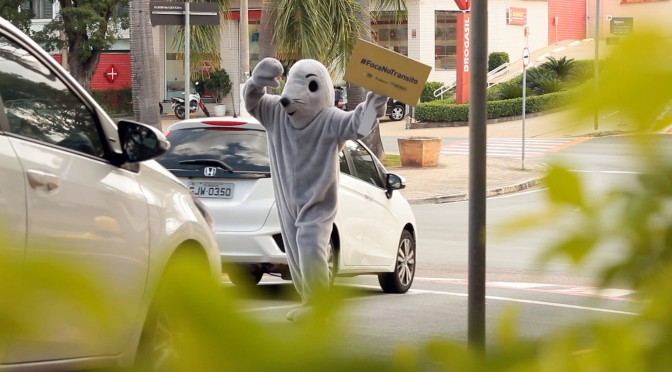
pixel 305 134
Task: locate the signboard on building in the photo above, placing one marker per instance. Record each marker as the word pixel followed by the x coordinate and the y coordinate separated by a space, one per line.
pixel 385 72
pixel 463 4
pixel 621 25
pixel 463 54
pixel 637 1
pixel 516 16
pixel 200 14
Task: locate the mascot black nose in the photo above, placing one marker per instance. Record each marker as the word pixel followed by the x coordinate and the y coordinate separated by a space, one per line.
pixel 284 101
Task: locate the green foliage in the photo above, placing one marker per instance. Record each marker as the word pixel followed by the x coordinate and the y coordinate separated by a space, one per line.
pixel 115 101
pixel 90 26
pixel 496 59
pixel 562 67
pixel 548 85
pixel 427 94
pixel 9 10
pixel 537 74
pixel 583 71
pixel 219 84
pixel 215 335
pixel 507 90
pixel 633 219
pixel 450 112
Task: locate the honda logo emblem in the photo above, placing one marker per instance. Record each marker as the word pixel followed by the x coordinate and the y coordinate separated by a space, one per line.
pixel 210 171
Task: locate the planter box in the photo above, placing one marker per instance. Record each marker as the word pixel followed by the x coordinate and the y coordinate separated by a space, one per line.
pixel 419 151
pixel 220 110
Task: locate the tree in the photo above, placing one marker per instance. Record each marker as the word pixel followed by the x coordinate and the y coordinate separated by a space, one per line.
pixel 15 12
pixel 85 28
pixel 143 66
pixel 219 84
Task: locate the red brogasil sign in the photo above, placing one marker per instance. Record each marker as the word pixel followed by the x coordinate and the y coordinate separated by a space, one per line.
pixel 463 4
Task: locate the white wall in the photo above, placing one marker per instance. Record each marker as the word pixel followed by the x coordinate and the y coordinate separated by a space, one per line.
pixel 501 37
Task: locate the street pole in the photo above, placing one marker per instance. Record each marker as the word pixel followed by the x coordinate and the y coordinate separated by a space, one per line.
pixel 477 173
pixel 244 41
pixel 597 54
pixel 523 134
pixel 187 62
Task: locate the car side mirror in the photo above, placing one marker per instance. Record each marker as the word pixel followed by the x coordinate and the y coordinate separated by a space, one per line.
pixel 393 182
pixel 140 142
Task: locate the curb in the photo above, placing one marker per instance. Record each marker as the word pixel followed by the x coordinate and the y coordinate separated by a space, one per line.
pixel 439 199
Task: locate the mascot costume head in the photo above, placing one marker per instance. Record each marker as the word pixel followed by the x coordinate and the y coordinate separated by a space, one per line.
pixel 305 135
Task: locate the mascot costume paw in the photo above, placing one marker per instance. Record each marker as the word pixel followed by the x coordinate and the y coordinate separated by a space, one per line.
pixel 305 134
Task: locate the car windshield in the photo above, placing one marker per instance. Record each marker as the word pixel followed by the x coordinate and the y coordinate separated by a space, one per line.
pixel 238 152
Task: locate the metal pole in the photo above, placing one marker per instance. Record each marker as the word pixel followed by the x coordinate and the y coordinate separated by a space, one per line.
pixel 477 173
pixel 187 50
pixel 597 53
pixel 524 99
pixel 244 40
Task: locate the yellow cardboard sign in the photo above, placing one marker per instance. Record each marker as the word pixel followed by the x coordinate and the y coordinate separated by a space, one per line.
pixel 386 72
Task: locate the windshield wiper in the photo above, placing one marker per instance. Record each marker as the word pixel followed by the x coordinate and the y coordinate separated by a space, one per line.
pixel 207 162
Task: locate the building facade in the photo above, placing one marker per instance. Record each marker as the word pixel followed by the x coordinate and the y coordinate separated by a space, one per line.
pixel 428 35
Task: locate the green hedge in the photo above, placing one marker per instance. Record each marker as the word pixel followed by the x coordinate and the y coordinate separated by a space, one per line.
pixel 115 101
pixel 442 111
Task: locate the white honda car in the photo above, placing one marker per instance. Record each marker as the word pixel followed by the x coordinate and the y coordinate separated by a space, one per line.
pixel 89 225
pixel 224 161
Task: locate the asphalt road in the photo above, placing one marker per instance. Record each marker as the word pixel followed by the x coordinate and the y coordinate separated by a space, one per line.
pixel 547 297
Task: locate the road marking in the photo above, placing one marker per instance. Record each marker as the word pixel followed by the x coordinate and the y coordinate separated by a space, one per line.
pixel 512 147
pixel 517 300
pixel 455 294
pixel 617 294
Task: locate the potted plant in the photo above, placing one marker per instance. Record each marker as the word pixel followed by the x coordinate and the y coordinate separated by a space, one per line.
pixel 219 85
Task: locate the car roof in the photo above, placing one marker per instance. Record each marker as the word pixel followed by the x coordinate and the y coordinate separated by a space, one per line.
pixel 247 122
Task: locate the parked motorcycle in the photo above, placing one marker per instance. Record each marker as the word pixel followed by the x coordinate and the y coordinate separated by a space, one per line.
pixel 195 103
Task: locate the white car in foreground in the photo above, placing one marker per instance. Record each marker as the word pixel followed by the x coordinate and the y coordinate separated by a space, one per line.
pixel 90 226
pixel 224 161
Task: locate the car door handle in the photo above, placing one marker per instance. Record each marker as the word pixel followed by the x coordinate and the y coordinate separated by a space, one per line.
pixel 38 178
pixel 368 196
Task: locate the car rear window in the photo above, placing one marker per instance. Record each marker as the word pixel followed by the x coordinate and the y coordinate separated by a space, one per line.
pixel 244 150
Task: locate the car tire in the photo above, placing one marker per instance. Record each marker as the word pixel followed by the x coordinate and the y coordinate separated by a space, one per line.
pixel 179 111
pixel 164 323
pixel 398 112
pixel 245 276
pixel 401 279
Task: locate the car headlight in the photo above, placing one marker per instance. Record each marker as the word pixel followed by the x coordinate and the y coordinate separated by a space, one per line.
pixel 205 212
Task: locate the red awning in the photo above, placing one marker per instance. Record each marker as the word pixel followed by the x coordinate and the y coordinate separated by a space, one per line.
pixel 251 14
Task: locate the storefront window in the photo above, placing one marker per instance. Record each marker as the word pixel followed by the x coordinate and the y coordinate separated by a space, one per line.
pixel 445 39
pixel 390 33
pixel 254 29
pixel 174 66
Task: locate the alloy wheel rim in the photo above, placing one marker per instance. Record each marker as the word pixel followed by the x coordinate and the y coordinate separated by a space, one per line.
pixel 405 262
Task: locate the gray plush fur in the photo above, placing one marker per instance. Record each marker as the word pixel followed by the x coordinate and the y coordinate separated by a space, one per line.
pixel 305 134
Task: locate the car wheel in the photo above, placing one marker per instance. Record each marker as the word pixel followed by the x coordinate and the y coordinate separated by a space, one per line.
pixel 179 111
pixel 165 326
pixel 401 279
pixel 245 276
pixel 398 112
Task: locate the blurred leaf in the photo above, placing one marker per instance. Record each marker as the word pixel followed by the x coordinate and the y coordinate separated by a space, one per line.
pixel 564 186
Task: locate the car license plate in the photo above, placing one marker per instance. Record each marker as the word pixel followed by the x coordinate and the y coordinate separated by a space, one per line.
pixel 211 189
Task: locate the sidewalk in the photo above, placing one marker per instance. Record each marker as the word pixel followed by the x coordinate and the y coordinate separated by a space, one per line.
pixel 449 181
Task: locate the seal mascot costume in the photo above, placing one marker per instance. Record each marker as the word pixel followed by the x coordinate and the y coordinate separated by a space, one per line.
pixel 305 135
